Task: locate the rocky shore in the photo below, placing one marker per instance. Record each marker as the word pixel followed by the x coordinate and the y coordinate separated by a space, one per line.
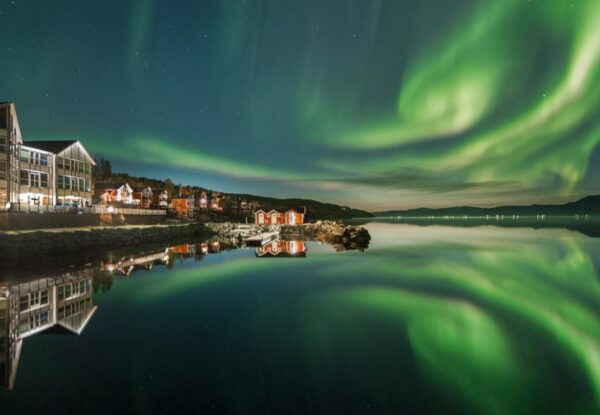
pixel 43 245
pixel 342 237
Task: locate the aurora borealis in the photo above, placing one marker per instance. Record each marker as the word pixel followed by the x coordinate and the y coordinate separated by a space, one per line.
pixel 376 104
pixel 477 320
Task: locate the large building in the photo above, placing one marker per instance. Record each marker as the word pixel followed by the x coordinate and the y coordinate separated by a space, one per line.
pixel 37 174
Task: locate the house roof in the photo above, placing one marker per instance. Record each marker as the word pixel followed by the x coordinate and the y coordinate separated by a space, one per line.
pixel 51 146
pixel 57 146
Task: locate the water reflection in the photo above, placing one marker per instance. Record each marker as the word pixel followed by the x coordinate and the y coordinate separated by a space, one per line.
pixel 428 320
pixel 282 249
pixel 61 304
pixel 168 257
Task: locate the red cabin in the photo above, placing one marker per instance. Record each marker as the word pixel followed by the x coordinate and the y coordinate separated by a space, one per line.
pixel 274 217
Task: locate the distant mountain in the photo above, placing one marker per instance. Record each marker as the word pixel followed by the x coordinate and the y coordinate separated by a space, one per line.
pixel 589 205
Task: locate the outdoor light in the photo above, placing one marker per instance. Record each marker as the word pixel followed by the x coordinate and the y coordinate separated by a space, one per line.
pixel 110 209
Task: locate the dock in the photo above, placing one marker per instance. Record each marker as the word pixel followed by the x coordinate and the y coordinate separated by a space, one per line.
pixel 261 239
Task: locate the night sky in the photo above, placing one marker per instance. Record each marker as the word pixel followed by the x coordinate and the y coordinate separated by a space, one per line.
pixel 372 103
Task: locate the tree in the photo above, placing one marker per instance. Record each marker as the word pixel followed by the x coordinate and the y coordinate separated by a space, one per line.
pixel 106 170
pixel 169 187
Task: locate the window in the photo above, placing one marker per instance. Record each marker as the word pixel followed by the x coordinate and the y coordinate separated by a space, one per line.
pixel 2 144
pixel 34 179
pixel 35 298
pixel 67 183
pixel 81 185
pixel 44 297
pixel 2 169
pixel 67 164
pixel 44 317
pixel 87 185
pixel 67 290
pixel 24 175
pixel 82 167
pixel 23 324
pixel 24 155
pixel 61 293
pixel 24 302
pixel 44 159
pixel 61 181
pixel 44 179
pixel 87 169
pixel 34 158
pixel 61 162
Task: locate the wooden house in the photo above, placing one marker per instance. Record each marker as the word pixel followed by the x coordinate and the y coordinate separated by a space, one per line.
pixel 203 201
pixel 143 197
pixel 108 193
pixel 274 217
pixel 183 206
pixel 160 199
pixel 216 202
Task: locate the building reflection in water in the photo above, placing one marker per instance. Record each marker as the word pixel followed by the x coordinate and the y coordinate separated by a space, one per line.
pixel 59 304
pixel 128 265
pixel 64 303
pixel 282 249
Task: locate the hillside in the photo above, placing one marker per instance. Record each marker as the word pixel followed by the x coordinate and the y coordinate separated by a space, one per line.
pixel 315 210
pixel 589 205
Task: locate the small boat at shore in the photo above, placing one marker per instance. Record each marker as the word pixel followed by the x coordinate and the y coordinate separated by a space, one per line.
pixel 261 239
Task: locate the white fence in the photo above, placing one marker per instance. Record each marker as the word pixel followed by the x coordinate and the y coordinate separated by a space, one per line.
pixel 24 207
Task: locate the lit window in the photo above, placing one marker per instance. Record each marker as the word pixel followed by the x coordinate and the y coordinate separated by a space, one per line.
pixel 34 179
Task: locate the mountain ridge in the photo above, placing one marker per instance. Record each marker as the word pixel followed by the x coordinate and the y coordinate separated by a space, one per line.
pixel 588 205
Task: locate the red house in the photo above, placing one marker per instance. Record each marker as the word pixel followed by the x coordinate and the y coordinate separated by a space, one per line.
pixel 274 217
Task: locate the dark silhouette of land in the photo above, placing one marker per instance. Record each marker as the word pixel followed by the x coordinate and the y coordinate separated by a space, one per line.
pixel 589 205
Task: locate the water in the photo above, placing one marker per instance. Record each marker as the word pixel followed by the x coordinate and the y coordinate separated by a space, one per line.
pixel 434 319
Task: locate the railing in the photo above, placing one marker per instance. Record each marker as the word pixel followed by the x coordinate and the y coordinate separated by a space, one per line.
pixel 27 208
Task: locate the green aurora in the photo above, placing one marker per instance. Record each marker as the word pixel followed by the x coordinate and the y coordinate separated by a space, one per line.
pixel 484 318
pixel 379 104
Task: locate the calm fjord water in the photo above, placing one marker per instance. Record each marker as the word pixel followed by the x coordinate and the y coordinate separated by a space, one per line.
pixel 431 319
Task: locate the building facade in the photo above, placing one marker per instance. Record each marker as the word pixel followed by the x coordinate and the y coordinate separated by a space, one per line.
pixel 10 143
pixel 35 175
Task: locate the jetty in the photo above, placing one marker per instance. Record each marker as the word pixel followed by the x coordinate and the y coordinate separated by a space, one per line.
pixel 263 238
